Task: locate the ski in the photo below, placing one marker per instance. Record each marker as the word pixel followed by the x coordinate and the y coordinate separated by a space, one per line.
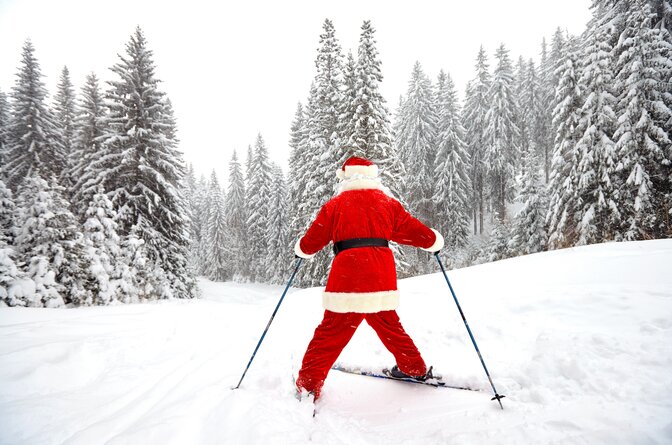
pixel 384 374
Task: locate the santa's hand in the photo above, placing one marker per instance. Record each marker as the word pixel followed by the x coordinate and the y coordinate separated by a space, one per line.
pixel 298 253
pixel 438 243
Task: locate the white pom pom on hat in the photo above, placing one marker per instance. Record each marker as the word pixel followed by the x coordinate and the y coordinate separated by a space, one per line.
pixel 357 166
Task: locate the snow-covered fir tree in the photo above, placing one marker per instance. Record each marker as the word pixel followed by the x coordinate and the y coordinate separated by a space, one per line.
pixel 89 130
pixel 598 215
pixel 103 249
pixel 296 182
pixel 528 231
pixel 134 281
pixel 532 110
pixel 217 264
pixel 476 106
pixel 259 183
pixel 416 142
pixel 562 187
pixel 64 116
pixel 497 247
pixel 4 125
pixel 451 195
pixel 9 272
pixel 49 242
pixel 501 134
pixel 644 131
pixel 279 247
pixel 372 137
pixel 33 145
pixel 236 217
pixel 546 105
pixel 520 90
pixel 347 120
pixel 146 186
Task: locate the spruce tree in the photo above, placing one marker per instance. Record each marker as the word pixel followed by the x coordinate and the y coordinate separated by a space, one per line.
pixel 598 217
pixel 501 134
pixel 33 145
pixel 297 173
pixel 49 242
pixel 476 106
pixel 257 193
pixel 546 106
pixel 346 127
pixel 4 126
pixel 562 187
pixel 451 195
pixel 104 251
pixel 89 131
pixel 217 265
pixel 371 136
pixel 141 169
pixel 7 211
pixel 643 135
pixel 64 114
pixel 235 217
pixel 528 234
pixel 416 142
pixel 280 249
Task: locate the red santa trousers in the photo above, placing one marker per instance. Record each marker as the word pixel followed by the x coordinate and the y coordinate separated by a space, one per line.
pixel 334 333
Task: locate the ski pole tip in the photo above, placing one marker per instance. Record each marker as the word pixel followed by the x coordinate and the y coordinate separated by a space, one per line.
pixel 499 399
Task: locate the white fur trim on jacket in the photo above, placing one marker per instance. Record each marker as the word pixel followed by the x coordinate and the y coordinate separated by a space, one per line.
pixel 438 243
pixel 301 253
pixel 361 302
pixel 352 170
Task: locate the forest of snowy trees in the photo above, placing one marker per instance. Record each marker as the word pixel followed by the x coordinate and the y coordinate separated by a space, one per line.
pixel 91 197
pixel 572 148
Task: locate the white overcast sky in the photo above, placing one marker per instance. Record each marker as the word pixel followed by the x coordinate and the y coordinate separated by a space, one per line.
pixel 235 69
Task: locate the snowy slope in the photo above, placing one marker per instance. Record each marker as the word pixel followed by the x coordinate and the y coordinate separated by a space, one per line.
pixel 579 340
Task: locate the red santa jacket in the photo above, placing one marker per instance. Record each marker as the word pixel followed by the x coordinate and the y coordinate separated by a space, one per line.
pixel 364 279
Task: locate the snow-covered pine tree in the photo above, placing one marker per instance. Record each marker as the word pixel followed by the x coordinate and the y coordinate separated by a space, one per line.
pixel 296 179
pixel 89 129
pixel 563 205
pixel 64 116
pixel 217 264
pixel 280 250
pixel 190 194
pixel 546 106
pixel 141 169
pixel 258 190
pixel 416 142
pixel 451 195
pixel 33 145
pixel 520 92
pixel 476 106
pixel 644 131
pixel 235 217
pixel 49 241
pixel 4 126
pixel 134 281
pixel 598 217
pixel 9 272
pixel 347 120
pixel 371 136
pixel 528 232
pixel 501 134
pixel 7 211
pixel 103 249
pixel 498 243
pixel 533 109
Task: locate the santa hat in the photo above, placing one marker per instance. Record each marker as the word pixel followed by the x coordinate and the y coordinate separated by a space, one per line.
pixel 357 166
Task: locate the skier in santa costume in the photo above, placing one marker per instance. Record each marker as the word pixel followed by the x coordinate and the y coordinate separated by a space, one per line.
pixel 362 283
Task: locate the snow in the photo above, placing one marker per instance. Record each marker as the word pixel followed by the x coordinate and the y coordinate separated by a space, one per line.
pixel 579 340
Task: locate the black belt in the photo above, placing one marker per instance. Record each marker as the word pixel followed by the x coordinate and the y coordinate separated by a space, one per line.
pixel 359 242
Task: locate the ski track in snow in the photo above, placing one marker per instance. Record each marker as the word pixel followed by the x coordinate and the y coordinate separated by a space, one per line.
pixel 579 340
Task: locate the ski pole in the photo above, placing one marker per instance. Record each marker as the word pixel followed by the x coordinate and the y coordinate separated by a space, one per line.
pixel 497 396
pixel 289 283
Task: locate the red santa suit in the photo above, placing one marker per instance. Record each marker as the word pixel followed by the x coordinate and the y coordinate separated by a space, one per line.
pixel 362 283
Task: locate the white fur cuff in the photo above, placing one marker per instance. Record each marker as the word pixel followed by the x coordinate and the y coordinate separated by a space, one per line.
pixel 361 302
pixel 438 243
pixel 301 253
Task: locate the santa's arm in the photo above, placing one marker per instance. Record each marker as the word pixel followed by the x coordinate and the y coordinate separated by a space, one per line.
pixel 317 236
pixel 410 231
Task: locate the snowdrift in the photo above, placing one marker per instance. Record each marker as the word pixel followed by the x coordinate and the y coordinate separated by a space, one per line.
pixel 579 340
